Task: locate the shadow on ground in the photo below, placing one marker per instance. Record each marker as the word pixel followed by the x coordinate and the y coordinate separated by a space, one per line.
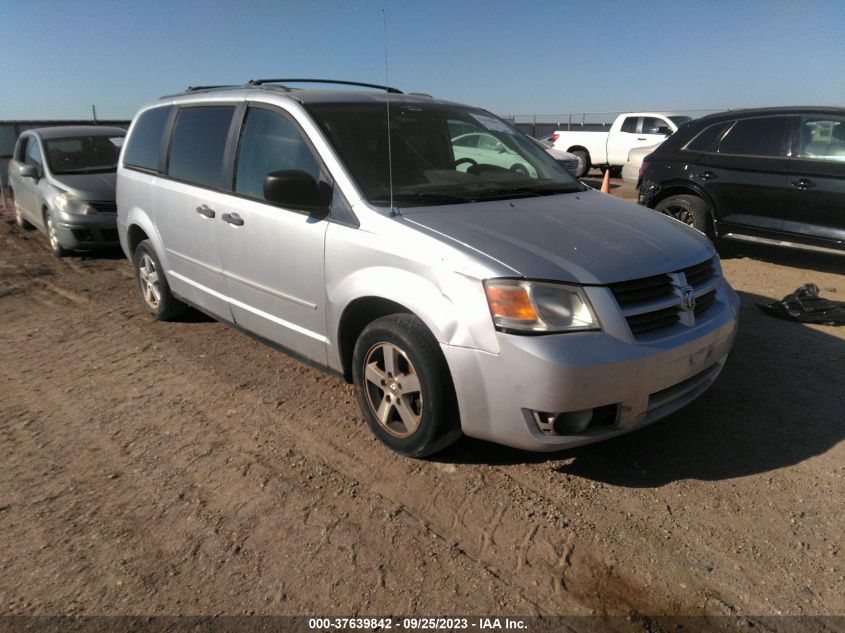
pixel 777 403
pixel 807 260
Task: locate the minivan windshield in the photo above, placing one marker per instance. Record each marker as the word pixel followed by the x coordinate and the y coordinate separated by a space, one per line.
pixel 437 154
pixel 83 154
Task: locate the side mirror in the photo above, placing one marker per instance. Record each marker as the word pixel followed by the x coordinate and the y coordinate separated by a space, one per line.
pixel 28 171
pixel 664 130
pixel 297 190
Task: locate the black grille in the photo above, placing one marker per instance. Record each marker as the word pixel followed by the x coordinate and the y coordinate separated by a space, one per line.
pixel 629 293
pixel 700 273
pixel 104 207
pixel 649 321
pixel 635 295
pixel 705 301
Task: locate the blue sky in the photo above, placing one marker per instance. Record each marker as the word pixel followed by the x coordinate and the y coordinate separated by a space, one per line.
pixel 509 57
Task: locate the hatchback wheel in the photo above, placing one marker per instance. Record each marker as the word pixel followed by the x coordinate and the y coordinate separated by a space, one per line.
pixel 152 284
pixel 404 387
pixel 19 219
pixel 53 236
pixel 689 209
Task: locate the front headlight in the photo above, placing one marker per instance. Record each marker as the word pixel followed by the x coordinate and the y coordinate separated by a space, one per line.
pixel 69 203
pixel 538 307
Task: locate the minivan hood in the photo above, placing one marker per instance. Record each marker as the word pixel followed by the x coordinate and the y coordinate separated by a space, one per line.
pixel 89 187
pixel 586 237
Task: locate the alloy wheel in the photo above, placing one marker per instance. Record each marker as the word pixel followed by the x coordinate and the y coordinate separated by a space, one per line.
pixel 393 391
pixel 148 277
pixel 53 234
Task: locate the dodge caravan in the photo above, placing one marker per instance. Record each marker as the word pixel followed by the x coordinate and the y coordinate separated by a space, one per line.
pixel 459 295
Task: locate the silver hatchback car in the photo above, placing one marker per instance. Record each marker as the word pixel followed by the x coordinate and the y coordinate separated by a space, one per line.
pixel 342 226
pixel 63 181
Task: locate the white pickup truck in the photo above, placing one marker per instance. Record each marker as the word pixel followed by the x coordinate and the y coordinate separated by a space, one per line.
pixel 609 148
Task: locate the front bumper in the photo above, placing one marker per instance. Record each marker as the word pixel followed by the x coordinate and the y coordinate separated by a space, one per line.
pixel 86 232
pixel 499 393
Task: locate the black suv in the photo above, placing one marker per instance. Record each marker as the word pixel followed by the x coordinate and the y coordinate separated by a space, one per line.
pixel 773 175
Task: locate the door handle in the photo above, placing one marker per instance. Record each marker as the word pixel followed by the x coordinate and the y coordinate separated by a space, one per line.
pixel 803 184
pixel 707 175
pixel 641 138
pixel 232 218
pixel 206 211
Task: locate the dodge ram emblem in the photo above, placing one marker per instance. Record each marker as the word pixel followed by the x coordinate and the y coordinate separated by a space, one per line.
pixel 688 299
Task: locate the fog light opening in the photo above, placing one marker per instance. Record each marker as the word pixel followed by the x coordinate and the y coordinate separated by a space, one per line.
pixel 572 422
pixel 576 422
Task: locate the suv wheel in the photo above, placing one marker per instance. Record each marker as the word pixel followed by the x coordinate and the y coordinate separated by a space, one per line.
pixel 404 387
pixel 53 236
pixel 152 284
pixel 689 209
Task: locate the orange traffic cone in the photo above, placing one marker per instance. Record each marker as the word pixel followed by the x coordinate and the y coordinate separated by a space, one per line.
pixel 605 184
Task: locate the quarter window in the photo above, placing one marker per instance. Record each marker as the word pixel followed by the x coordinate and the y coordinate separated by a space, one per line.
pixel 198 145
pixel 707 140
pixel 144 147
pixel 756 137
pixel 823 139
pixel 270 142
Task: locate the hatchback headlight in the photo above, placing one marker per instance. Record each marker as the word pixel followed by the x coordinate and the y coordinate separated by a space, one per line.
pixel 69 203
pixel 538 307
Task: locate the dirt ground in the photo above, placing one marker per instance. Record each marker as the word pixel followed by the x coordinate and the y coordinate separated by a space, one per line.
pixel 182 468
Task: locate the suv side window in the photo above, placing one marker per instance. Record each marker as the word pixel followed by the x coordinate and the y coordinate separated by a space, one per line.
pixel 764 136
pixel 822 138
pixel 708 138
pixel 144 148
pixel 198 145
pixel 270 142
pixel 630 124
pixel 33 156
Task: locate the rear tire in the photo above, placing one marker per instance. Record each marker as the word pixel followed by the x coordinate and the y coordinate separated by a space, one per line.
pixel 19 219
pixel 153 286
pixel 583 162
pixel 689 209
pixel 403 386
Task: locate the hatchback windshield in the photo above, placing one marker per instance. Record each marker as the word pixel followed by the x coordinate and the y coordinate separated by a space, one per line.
pixel 438 154
pixel 83 154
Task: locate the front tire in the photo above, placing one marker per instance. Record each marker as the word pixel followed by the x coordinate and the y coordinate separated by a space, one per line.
pixel 403 386
pixel 53 236
pixel 153 286
pixel 689 209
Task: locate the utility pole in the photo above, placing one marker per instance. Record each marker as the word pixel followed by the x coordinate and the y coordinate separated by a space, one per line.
pixel 94 112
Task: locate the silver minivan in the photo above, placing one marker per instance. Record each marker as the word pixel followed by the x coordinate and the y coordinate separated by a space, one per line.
pixel 459 296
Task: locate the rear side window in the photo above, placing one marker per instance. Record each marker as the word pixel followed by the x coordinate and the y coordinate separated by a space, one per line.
pixel 630 124
pixel 270 142
pixel 823 138
pixel 756 137
pixel 706 140
pixel 144 147
pixel 198 144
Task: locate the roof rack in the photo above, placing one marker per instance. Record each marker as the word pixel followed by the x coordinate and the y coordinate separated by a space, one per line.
pixel 195 88
pixel 260 82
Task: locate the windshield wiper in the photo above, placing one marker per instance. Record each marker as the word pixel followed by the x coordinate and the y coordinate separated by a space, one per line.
pixel 522 192
pixel 422 197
